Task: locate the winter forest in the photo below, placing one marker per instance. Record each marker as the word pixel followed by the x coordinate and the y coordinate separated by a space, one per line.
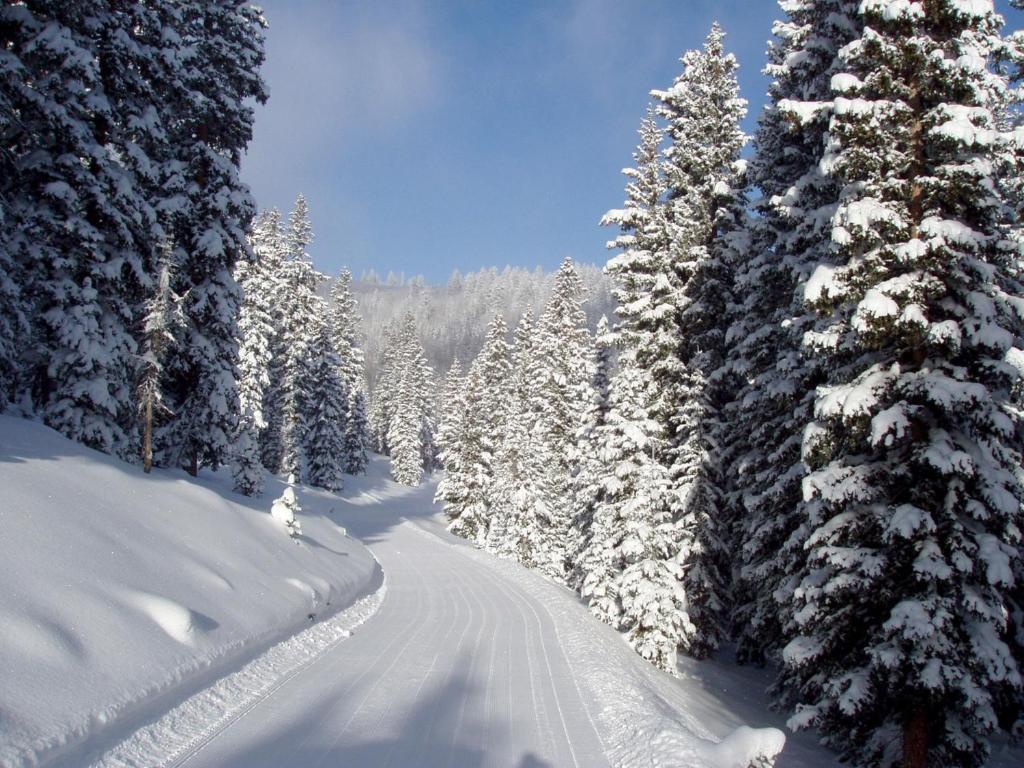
pixel 778 426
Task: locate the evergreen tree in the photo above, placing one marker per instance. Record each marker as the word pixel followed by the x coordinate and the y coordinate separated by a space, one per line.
pixel 704 212
pixel 212 113
pixel 519 507
pixel 404 436
pixel 588 483
pixel 483 423
pixel 247 469
pixel 78 236
pixel 563 361
pixel 300 314
pixel 357 434
pixel 382 404
pixel 914 486
pixel 262 286
pixel 325 431
pixel 161 326
pixel 345 333
pixel 451 424
pixel 768 412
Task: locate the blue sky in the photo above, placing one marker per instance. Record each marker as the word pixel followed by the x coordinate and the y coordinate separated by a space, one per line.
pixel 436 135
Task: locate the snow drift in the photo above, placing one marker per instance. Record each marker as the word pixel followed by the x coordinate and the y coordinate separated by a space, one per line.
pixel 123 592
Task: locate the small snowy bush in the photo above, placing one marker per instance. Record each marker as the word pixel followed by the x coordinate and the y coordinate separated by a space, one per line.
pixel 284 509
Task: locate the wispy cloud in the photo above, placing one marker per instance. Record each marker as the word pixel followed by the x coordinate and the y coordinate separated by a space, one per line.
pixel 337 71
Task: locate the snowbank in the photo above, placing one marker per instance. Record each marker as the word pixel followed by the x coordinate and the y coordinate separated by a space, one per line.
pixel 123 593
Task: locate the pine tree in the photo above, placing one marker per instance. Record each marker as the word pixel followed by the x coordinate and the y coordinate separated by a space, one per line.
pixel 246 467
pixel 704 209
pixel 382 404
pixel 357 434
pixel 262 284
pixel 768 412
pixel 286 507
pixel 451 423
pixel 404 436
pixel 914 487
pixel 588 484
pixel 483 422
pixel 78 234
pixel 642 564
pixel 404 404
pixel 563 360
pixel 326 419
pixel 300 315
pixel 213 115
pixel 161 326
pixel 519 507
pixel 345 333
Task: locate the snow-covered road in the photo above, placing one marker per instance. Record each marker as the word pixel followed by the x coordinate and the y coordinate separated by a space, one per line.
pixel 459 667
pixel 460 659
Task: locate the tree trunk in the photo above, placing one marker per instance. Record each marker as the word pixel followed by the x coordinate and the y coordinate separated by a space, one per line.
pixel 193 467
pixel 147 437
pixel 915 740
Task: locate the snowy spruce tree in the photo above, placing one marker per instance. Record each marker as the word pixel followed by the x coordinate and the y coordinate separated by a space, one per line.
pixel 79 235
pixel 483 424
pixel 300 314
pixel 588 484
pixel 160 329
pixel 208 220
pixel 704 214
pixel 914 487
pixel 519 506
pixel 766 417
pixel 262 288
pixel 632 564
pixel 404 405
pixel 345 335
pixel 326 415
pixel 563 365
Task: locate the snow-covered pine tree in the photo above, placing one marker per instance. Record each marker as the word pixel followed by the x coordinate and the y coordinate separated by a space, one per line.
pixel 520 510
pixel 210 114
pixel 345 334
pixel 262 287
pixel 463 488
pixel 404 435
pixel 913 496
pixel 286 507
pixel 77 231
pixel 563 361
pixel 160 330
pixel 326 411
pixel 643 281
pixel 450 424
pixel 633 573
pixel 300 314
pixel 357 433
pixel 382 405
pixel 256 337
pixel 406 385
pixel 768 413
pixel 588 485
pixel 704 212
pixel 256 330
pixel 483 424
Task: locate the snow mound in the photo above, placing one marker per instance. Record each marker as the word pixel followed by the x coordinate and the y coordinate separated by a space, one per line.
pixel 124 593
pixel 176 620
pixel 747 747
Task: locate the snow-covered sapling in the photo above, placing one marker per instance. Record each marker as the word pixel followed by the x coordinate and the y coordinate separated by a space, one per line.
pixel 284 510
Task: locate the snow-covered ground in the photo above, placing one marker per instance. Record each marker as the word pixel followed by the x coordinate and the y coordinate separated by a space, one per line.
pixel 123 593
pixel 164 621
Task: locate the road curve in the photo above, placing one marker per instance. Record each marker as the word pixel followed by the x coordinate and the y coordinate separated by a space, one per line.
pixel 459 668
